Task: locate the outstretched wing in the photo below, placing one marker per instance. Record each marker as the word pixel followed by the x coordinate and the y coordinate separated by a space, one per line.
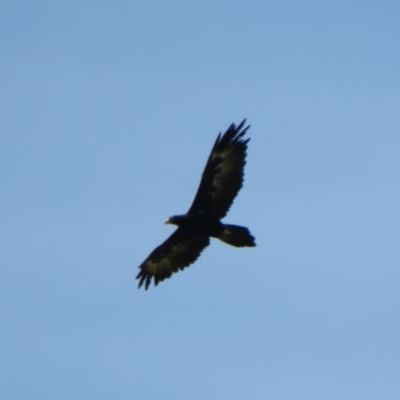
pixel 177 252
pixel 223 175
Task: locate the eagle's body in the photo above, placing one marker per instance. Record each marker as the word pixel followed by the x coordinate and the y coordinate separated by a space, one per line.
pixel 199 224
pixel 221 181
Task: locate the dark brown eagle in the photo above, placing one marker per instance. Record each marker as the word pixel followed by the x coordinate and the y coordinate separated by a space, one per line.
pixel 220 183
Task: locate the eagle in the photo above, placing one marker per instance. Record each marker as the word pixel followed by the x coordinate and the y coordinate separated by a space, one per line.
pixel 221 181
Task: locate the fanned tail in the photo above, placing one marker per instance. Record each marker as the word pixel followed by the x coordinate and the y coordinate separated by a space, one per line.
pixel 237 236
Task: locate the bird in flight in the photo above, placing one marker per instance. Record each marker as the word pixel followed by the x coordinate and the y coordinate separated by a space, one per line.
pixel 220 183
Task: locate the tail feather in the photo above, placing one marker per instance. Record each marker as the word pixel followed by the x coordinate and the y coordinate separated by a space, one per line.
pixel 237 236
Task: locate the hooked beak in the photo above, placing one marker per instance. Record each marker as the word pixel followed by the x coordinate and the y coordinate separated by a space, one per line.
pixel 168 221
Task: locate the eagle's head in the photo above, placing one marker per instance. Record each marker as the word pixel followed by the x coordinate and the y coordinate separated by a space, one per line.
pixel 175 219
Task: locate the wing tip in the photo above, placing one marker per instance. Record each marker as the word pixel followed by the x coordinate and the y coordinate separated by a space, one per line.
pixel 144 278
pixel 232 135
pixel 236 132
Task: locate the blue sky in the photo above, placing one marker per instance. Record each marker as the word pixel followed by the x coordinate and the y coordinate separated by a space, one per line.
pixel 108 113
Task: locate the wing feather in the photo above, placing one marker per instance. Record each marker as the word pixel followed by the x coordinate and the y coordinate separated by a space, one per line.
pixel 177 252
pixel 223 174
